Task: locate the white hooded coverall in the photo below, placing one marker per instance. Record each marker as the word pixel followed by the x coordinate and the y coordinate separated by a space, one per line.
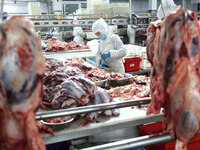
pixel 112 44
pixel 78 35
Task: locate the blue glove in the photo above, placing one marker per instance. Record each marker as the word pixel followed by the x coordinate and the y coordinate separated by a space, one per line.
pixel 43 34
pixel 105 55
pixel 51 34
pixel 100 66
pixel 44 47
pixel 5 15
pixel 104 63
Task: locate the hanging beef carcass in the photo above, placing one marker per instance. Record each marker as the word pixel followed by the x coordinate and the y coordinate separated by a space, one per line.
pixel 21 81
pixel 175 74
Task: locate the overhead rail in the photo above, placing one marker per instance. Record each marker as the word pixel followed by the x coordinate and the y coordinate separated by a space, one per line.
pixel 91 108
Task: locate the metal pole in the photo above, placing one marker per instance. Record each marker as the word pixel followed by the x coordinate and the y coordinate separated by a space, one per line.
pixel 91 108
pixel 1 13
pixel 184 4
pixel 130 9
pixel 137 142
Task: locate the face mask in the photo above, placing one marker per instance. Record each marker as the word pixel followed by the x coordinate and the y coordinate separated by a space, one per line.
pixel 102 36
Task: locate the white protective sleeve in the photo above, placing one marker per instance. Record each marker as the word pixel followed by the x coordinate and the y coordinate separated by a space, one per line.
pixel 119 49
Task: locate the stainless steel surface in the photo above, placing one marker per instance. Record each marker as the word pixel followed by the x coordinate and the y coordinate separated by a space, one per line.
pixel 141 72
pixel 59 125
pixel 135 142
pixel 63 55
pixel 68 51
pixel 101 83
pixel 87 109
pixel 70 16
pixel 81 22
pixel 135 117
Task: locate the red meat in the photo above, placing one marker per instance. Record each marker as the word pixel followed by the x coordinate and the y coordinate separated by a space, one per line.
pixel 21 82
pixel 175 84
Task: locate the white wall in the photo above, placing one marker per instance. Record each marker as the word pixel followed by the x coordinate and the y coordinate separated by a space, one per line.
pixel 22 8
pixel 142 5
pixel 19 8
pixel 139 5
pixel 44 8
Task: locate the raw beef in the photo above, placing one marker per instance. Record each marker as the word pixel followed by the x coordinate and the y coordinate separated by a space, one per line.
pixel 98 72
pixel 58 120
pixel 78 62
pixel 100 97
pixel 58 46
pixel 68 86
pixel 77 88
pixel 21 81
pixel 52 64
pixel 175 81
pixel 141 79
pixel 52 81
pixel 117 76
pixel 130 92
pixel 44 128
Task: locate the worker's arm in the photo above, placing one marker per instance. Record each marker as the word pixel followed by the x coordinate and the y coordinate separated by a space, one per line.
pixel 119 49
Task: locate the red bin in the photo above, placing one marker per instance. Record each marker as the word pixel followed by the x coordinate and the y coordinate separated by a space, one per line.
pixel 132 64
pixel 155 128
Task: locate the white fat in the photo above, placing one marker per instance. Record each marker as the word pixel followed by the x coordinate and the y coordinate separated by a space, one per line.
pixel 180 145
pixel 13 129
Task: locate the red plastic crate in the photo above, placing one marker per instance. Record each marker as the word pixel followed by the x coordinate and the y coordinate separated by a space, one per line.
pixel 132 64
pixel 157 128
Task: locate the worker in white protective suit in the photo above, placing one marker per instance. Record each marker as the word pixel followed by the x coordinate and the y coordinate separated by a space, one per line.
pixel 79 35
pixel 131 34
pixel 166 7
pixel 57 34
pixel 111 49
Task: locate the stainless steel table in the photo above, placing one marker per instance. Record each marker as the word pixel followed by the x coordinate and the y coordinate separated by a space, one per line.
pixel 128 117
pixel 141 72
pixel 86 53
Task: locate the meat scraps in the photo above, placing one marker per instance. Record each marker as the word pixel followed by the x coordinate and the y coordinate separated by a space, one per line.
pixel 98 72
pixel 130 92
pixel 173 50
pixel 93 73
pixel 58 120
pixel 58 46
pixel 78 62
pixel 21 81
pixel 44 128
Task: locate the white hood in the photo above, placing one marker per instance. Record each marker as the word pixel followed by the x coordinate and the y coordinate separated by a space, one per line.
pixel 101 26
